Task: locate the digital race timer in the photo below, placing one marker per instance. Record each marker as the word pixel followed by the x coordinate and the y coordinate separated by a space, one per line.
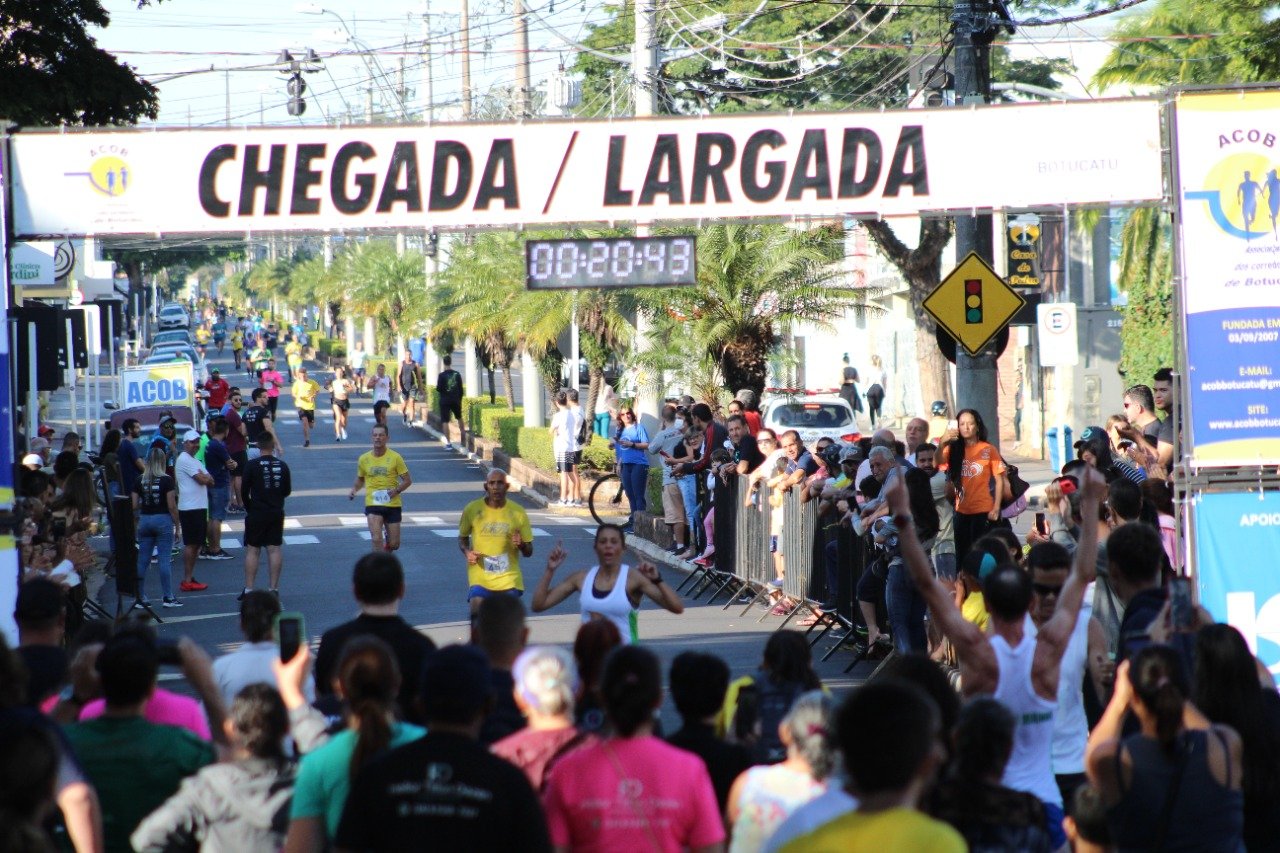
pixel 611 262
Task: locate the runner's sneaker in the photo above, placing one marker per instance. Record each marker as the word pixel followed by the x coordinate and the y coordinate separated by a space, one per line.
pixel 219 555
pixel 306 443
pixel 448 445
pixel 193 585
pixel 171 602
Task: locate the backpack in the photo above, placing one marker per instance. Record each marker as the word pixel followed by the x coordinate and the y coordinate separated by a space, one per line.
pixel 1017 486
pixel 584 431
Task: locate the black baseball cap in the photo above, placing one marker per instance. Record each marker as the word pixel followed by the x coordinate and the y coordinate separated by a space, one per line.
pixel 457 684
pixel 39 600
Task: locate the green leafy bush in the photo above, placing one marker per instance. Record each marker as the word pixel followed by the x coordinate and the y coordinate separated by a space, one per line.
pixel 533 444
pixel 472 407
pixel 330 347
pixel 507 429
pixel 597 456
pixel 654 491
pixel 488 417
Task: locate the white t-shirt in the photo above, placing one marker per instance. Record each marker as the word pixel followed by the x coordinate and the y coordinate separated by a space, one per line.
pixel 191 495
pixel 356 358
pixel 382 389
pixel 565 438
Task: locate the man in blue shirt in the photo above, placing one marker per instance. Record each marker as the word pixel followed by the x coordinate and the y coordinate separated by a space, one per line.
pixel 127 455
pixel 219 464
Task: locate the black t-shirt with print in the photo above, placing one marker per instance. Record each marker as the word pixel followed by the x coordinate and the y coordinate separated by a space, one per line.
pixel 255 423
pixel 153 495
pixel 447 788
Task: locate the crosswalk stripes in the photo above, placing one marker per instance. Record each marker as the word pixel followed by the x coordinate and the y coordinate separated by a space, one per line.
pixel 294 539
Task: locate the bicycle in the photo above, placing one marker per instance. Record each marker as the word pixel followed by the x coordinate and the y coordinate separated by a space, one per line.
pixel 607 500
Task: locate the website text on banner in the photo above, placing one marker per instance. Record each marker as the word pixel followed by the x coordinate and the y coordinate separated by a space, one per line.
pixel 1228 154
pixel 1232 529
pixel 452 176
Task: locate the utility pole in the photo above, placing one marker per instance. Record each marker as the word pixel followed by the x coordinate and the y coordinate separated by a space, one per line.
pixel 464 26
pixel 428 82
pixel 644 61
pixel 973 33
pixel 523 109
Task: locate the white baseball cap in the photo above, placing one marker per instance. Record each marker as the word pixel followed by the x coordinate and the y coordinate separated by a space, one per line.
pixel 191 435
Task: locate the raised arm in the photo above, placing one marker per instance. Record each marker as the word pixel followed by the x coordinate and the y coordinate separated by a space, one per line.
pixel 658 590
pixel 546 596
pixel 1057 631
pixel 968 640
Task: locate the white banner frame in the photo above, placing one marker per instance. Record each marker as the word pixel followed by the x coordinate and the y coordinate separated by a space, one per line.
pixel 536 174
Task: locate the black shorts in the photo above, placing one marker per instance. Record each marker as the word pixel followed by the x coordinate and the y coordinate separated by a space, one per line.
pixel 263 530
pixel 195 525
pixel 450 408
pixel 565 462
pixel 390 514
pixel 380 406
pixel 307 414
pixel 242 462
pixel 342 405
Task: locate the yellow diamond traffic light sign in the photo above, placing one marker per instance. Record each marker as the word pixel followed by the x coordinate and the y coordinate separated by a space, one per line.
pixel 973 303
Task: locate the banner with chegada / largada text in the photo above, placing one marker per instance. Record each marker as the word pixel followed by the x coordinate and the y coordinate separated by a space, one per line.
pixel 1227 154
pixel 673 169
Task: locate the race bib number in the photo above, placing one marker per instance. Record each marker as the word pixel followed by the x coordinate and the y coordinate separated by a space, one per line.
pixel 496 565
pixel 268 384
pixel 382 497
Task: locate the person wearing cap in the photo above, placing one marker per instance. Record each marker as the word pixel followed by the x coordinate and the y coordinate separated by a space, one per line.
pixel 445 786
pixel 1094 447
pixel 218 389
pixel 193 481
pixel 166 437
pixel 305 390
pixel 40 447
pixel 32 462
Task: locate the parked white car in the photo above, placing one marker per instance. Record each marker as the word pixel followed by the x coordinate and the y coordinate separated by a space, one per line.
pixel 814 416
pixel 174 317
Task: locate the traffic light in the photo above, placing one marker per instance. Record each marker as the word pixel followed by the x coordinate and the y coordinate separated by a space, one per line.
pixel 296 87
pixel 973 300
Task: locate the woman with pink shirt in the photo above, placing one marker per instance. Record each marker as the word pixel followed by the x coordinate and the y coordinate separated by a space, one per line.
pixel 633 791
pixel 272 381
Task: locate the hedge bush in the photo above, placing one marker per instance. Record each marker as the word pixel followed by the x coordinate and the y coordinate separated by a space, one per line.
pixel 473 409
pixel 654 492
pixel 507 429
pixel 533 444
pixel 597 456
pixel 329 347
pixel 488 417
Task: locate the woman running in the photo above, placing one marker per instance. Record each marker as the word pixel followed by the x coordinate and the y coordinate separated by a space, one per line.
pixel 609 590
pixel 340 387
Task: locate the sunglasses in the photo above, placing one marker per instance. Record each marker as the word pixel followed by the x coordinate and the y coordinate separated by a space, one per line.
pixel 1045 589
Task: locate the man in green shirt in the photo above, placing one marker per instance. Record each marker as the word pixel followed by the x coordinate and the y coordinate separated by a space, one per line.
pixel 136 765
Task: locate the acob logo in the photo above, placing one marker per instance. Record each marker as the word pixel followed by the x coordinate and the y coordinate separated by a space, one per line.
pixel 109 172
pixel 1257 623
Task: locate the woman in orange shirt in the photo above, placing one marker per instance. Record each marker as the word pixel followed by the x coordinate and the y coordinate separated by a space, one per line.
pixel 977 480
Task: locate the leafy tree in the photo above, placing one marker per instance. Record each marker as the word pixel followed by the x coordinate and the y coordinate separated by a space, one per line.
pixel 378 282
pixel 53 72
pixel 754 279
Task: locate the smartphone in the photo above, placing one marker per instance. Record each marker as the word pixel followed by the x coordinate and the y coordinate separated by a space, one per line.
pixel 58 527
pixel 291 633
pixel 1042 524
pixel 1182 609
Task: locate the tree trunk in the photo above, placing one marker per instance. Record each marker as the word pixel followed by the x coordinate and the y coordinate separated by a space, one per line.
pixel 595 382
pixel 506 378
pixel 920 267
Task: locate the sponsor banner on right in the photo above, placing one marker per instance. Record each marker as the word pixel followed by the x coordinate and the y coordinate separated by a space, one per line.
pixel 1228 159
pixel 1232 530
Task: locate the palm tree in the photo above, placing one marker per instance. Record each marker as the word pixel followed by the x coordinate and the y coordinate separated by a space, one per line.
pixel 381 283
pixel 481 293
pixel 753 280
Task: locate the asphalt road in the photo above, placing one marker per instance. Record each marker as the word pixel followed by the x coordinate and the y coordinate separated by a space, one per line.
pixel 325 534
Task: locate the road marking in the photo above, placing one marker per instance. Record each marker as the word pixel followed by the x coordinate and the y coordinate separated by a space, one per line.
pixel 444 533
pixel 352 520
pixel 231 543
pixel 366 535
pixel 304 539
pixel 292 524
pixel 170 620
pixel 426 519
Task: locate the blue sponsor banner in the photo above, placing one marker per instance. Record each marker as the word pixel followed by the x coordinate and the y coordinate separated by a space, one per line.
pixel 1237 538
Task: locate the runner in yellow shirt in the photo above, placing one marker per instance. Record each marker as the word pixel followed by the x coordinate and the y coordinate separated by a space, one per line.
pixel 305 390
pixel 383 475
pixel 293 357
pixel 493 534
pixel 237 344
pixel 203 336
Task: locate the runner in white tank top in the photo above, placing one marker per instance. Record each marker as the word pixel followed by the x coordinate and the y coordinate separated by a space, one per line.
pixel 615 605
pixel 1029 768
pixel 619 604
